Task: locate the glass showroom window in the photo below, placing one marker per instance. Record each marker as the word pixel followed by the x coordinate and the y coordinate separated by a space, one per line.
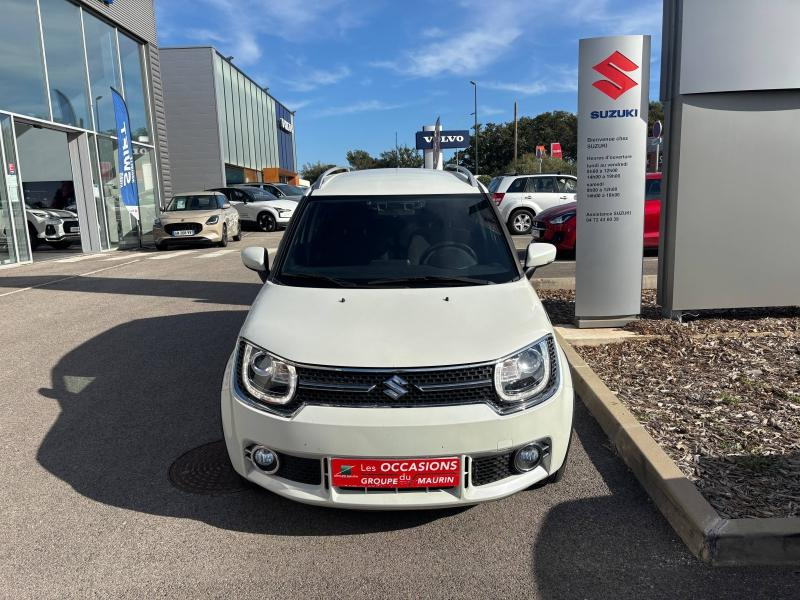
pixel 148 192
pixel 122 226
pixel 101 50
pixel 66 67
pixel 22 87
pixel 14 200
pixel 130 52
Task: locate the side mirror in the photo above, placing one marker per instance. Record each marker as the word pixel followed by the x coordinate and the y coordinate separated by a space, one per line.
pixel 226 205
pixel 256 259
pixel 539 255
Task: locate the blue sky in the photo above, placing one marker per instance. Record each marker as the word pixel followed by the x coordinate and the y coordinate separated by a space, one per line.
pixel 357 71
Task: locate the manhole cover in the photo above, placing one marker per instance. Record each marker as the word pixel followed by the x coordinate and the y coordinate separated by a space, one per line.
pixel 206 470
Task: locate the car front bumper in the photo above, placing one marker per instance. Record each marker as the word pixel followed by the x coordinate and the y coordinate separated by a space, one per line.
pixel 471 432
pixel 209 234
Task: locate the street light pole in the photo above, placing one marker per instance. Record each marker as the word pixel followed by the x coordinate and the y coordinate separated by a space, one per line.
pixel 475 86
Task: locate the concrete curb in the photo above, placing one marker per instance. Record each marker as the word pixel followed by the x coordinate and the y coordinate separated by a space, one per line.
pixel 649 282
pixel 708 536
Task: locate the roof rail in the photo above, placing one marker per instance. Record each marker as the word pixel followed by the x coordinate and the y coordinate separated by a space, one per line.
pixel 455 169
pixel 326 175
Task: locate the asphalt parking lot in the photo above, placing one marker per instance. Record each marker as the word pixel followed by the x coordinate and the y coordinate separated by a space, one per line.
pixel 111 372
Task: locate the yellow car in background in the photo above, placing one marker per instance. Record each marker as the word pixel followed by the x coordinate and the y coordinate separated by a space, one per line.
pixel 197 217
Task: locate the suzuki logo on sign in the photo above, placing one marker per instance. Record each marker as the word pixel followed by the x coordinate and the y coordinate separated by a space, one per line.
pixel 616 82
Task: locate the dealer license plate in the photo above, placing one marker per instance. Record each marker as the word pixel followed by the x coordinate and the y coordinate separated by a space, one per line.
pixel 178 232
pixel 396 473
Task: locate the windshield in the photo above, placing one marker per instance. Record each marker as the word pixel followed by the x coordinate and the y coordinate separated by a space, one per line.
pixel 205 202
pixel 397 241
pixel 290 190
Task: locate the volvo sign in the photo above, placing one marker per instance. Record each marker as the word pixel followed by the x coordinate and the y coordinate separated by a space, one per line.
pixel 613 99
pixel 448 139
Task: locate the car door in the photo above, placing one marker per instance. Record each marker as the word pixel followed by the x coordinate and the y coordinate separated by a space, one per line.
pixel 545 192
pixel 241 202
pixel 230 214
pixel 515 197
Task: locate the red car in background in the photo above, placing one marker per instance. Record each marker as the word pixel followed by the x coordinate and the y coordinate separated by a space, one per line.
pixel 557 225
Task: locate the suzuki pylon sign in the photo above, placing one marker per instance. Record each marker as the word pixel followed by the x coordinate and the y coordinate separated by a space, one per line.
pixel 613 84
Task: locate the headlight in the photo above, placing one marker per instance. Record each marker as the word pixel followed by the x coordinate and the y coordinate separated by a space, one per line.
pixel 284 211
pixel 524 375
pixel 213 220
pixel 266 377
pixel 562 218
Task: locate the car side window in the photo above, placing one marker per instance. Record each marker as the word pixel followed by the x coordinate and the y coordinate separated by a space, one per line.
pixel 565 185
pixel 544 185
pixel 517 186
pixel 273 190
pixel 239 196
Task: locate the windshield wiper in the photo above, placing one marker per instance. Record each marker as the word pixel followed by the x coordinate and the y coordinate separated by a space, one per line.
pixel 332 281
pixel 428 279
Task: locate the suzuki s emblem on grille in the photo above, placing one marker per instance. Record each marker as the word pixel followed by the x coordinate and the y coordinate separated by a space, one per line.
pixel 395 387
pixel 616 82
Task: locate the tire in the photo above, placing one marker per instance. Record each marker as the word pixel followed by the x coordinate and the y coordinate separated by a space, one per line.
pixel 266 222
pixel 224 241
pixel 34 236
pixel 161 246
pixel 521 221
pixel 238 236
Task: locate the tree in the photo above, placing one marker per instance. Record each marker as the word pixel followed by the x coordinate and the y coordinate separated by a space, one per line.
pixel 312 171
pixel 655 113
pixel 528 164
pixel 360 159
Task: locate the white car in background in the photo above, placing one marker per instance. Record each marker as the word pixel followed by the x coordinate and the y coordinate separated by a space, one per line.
pixel 522 197
pixel 58 228
pixel 258 207
pixel 371 371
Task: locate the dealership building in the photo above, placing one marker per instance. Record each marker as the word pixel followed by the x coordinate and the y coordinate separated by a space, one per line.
pixel 59 61
pixel 224 128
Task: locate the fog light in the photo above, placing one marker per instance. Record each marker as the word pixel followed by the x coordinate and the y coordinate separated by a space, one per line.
pixel 528 457
pixel 264 459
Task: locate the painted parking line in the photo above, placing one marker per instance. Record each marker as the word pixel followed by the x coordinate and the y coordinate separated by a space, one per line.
pixel 215 254
pixel 123 257
pixel 53 282
pixel 168 255
pixel 74 259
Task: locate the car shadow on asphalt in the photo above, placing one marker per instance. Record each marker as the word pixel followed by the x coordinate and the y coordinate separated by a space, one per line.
pixel 137 397
pixel 212 292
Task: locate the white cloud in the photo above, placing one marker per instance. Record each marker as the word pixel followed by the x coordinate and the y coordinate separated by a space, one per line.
pixel 298 104
pixel 357 107
pixel 489 111
pixel 314 78
pixel 561 79
pixel 491 29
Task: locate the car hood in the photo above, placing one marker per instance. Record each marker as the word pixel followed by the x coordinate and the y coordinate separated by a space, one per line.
pixel 187 216
pixel 55 213
pixel 396 328
pixel 282 203
pixel 556 211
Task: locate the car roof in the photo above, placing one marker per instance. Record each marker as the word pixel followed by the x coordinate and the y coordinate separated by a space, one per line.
pixel 384 182
pixel 199 193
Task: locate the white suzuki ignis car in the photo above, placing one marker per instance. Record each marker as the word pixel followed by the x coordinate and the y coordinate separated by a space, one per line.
pixel 397 355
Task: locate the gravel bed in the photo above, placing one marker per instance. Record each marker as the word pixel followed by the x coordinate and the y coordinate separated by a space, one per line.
pixel 720 393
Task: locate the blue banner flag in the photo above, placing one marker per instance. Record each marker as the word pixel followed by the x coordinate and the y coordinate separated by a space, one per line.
pixel 128 188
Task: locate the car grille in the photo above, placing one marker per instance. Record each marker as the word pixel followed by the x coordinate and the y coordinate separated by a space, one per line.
pixel 488 469
pixel 173 227
pixel 68 225
pixel 366 388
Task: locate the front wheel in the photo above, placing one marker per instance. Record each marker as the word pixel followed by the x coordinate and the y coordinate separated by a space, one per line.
pixel 224 240
pixel 521 221
pixel 266 222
